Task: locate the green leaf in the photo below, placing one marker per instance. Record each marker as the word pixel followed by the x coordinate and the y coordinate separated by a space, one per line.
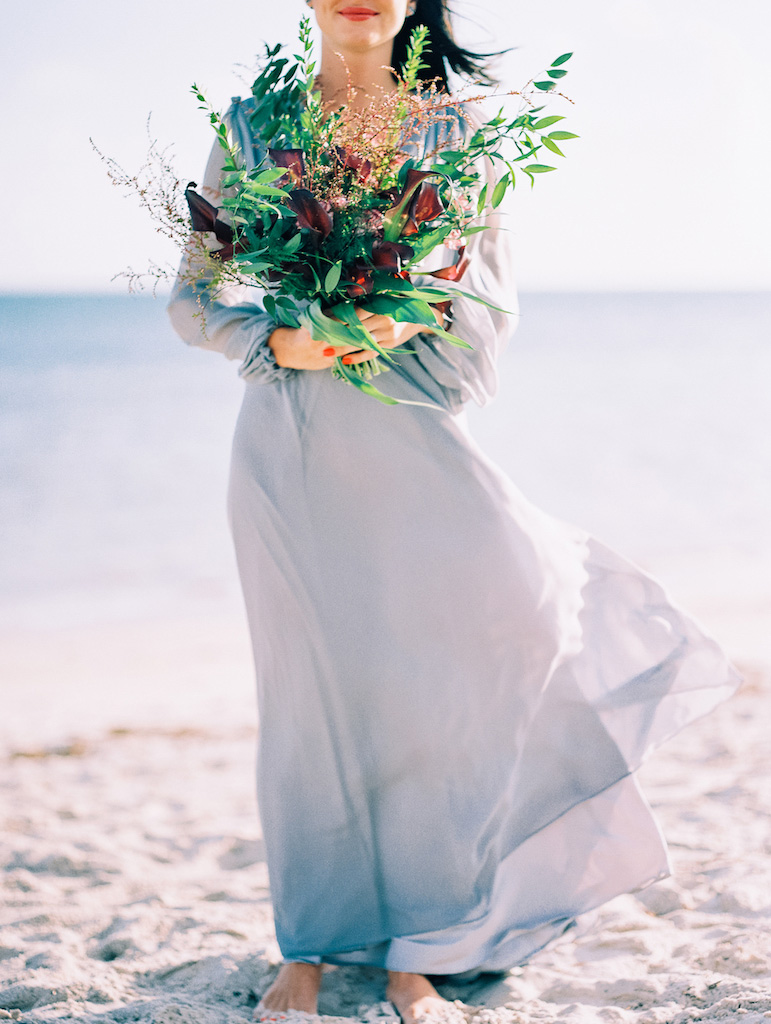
pixel 559 73
pixel 443 294
pixel 293 244
pixel 452 338
pixel 563 135
pixel 546 122
pixel 269 305
pixel 254 268
pixel 550 144
pixel 499 191
pixel 561 60
pixel 544 86
pixel 324 328
pixel 346 311
pixel 482 199
pixel 369 389
pixel 332 279
pixel 288 316
pixel 538 168
pixel 265 190
pixel 269 174
pixel 403 310
pixel 425 242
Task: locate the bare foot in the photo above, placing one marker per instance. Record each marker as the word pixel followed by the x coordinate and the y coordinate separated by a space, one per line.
pixel 296 987
pixel 414 997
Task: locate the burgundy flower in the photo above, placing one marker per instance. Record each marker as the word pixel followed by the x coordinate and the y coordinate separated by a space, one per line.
pixel 313 214
pixel 426 204
pixel 389 256
pixel 359 280
pixel 456 272
pixel 397 219
pixel 353 162
pixel 294 162
pixel 204 216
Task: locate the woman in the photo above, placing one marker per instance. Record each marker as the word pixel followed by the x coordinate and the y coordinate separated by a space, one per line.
pixel 454 688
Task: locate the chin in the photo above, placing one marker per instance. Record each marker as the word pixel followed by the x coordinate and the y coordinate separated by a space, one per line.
pixel 359 36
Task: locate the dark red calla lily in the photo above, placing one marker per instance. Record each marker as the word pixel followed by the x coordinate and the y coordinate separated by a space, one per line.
pixel 311 213
pixel 414 177
pixel 426 204
pixel 359 280
pixel 353 162
pixel 389 256
pixel 410 227
pixel 204 216
pixel 456 272
pixel 396 219
pixel 293 160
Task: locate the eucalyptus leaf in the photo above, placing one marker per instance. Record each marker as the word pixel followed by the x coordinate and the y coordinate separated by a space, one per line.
pixel 546 122
pixel 332 279
pixel 255 268
pixel 293 244
pixel 550 144
pixel 499 192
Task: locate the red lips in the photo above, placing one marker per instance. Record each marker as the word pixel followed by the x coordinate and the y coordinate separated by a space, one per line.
pixel 358 13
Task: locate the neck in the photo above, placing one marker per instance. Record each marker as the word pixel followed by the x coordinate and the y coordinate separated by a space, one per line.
pixel 368 73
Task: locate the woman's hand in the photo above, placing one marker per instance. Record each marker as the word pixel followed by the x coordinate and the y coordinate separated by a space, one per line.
pixel 294 347
pixel 386 331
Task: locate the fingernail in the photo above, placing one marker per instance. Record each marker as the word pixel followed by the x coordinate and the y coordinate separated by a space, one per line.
pixel 346 359
pixel 328 351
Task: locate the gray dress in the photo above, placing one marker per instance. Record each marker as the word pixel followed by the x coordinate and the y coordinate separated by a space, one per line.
pixel 454 688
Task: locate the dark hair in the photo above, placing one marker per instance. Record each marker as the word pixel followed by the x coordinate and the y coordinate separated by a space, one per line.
pixel 442 53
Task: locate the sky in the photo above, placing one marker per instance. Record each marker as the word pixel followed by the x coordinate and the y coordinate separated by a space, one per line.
pixel 666 189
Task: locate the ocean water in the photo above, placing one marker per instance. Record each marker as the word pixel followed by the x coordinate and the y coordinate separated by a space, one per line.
pixel 644 418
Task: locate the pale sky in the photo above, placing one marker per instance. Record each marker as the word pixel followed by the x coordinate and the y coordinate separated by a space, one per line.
pixel 666 188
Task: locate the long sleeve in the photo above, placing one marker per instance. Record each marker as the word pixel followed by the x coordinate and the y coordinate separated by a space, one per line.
pixel 473 373
pixel 229 322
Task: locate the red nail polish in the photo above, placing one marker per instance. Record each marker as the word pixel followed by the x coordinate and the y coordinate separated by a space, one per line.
pixel 328 351
pixel 346 360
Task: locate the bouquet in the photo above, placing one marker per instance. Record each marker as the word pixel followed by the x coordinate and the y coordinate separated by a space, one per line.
pixel 338 214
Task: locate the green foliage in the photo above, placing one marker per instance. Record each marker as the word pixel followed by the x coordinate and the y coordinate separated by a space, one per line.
pixel 414 63
pixel 287 110
pixel 312 258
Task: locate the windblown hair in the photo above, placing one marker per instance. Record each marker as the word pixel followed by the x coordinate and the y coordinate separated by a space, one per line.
pixel 443 53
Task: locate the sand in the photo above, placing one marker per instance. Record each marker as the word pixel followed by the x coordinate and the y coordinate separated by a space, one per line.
pixel 135 888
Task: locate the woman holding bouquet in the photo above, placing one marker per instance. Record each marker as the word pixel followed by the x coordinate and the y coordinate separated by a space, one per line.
pixel 454 688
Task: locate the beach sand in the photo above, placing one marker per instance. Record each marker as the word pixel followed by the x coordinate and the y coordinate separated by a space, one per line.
pixel 135 888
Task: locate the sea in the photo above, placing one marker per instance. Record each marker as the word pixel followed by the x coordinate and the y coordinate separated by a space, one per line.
pixel 644 418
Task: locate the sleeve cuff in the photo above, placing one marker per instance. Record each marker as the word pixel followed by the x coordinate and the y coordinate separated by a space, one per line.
pixel 260 364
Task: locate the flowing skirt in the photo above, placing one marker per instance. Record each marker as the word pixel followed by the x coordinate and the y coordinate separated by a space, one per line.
pixel 454 687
